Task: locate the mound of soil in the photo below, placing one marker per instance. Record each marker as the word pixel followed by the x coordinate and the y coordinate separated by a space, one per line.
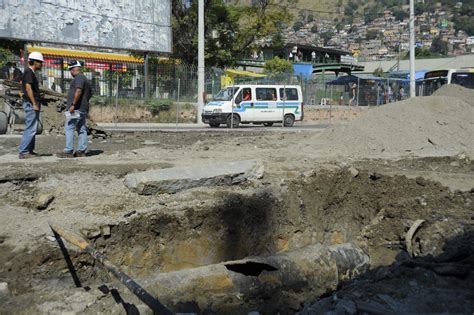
pixel 426 126
pixel 454 90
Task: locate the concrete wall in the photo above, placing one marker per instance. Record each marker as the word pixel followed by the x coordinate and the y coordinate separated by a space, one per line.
pixel 423 64
pixel 143 25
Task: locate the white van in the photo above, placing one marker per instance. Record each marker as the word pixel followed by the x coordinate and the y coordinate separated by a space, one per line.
pixel 257 104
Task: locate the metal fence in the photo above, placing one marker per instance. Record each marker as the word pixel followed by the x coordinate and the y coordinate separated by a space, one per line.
pixel 119 89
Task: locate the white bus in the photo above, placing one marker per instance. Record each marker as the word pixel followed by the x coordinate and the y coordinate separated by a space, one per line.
pixel 435 79
pixel 257 104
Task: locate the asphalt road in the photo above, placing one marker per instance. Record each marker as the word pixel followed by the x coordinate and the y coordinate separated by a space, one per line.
pixel 136 127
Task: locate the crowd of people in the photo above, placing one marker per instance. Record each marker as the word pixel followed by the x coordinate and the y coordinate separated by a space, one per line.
pixel 376 94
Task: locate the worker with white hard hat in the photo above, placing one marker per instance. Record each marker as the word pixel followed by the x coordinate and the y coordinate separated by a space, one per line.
pixel 77 106
pixel 31 104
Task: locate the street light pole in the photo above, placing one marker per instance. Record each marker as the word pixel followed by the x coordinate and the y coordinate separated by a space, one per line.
pixel 412 49
pixel 201 64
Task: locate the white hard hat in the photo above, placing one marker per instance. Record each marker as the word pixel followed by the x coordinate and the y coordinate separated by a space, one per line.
pixel 35 55
pixel 74 64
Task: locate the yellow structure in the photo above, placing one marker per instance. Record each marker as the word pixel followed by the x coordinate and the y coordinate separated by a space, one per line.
pixel 80 54
pixel 231 74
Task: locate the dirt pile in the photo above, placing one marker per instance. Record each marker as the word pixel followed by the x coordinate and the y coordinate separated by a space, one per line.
pixel 427 126
pixel 454 90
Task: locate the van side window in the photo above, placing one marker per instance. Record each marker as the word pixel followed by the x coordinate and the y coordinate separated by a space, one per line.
pixel 291 94
pixel 244 95
pixel 266 94
pixel 247 94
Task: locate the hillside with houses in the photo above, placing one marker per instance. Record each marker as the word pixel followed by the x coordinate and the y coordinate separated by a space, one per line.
pixel 379 30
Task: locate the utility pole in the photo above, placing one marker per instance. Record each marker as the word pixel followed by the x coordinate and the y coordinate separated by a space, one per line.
pixel 201 65
pixel 146 76
pixel 412 49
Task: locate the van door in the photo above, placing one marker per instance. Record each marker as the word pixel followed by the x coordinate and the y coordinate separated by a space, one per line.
pixel 266 104
pixel 244 104
pixel 291 102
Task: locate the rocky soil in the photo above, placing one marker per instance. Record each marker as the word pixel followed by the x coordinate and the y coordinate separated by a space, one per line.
pixel 365 182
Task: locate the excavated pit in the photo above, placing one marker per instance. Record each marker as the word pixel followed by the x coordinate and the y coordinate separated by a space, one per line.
pixel 327 207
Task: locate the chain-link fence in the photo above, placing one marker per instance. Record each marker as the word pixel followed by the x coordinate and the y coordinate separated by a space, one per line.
pixel 119 88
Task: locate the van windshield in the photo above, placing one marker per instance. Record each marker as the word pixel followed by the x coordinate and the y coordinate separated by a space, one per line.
pixel 226 94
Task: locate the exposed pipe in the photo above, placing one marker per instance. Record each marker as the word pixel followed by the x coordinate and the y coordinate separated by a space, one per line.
pixel 133 286
pixel 311 271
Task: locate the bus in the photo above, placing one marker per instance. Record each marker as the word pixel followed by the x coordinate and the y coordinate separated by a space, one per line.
pixel 433 80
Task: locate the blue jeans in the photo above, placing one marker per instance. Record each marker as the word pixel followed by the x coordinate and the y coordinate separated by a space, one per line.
pixel 70 127
pixel 27 144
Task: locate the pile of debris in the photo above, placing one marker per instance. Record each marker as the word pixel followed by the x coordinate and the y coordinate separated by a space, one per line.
pixel 438 125
pixel 52 116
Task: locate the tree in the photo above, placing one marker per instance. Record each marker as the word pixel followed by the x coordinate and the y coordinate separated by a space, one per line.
pixel 230 31
pixel 13 46
pixel 327 36
pixel 439 46
pixel 314 29
pixel 277 65
pixel 400 15
pixel 372 34
pixel 379 72
pixel 297 26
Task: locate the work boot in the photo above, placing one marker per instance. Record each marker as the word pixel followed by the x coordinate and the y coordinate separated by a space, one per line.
pixel 80 154
pixel 27 156
pixel 65 155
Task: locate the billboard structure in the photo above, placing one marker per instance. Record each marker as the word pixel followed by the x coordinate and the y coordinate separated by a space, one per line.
pixel 143 25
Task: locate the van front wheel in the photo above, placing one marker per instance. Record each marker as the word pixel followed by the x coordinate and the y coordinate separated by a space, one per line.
pixel 233 123
pixel 289 120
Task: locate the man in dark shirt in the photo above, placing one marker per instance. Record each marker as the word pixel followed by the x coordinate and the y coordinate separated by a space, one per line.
pixel 31 105
pixel 78 107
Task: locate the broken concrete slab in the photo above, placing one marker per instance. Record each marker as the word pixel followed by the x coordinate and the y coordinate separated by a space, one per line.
pixel 173 180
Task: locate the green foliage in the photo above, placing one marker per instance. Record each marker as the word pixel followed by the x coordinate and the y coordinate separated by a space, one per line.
pixel 438 46
pixel 400 14
pixel 314 29
pixel 372 34
pixel 297 26
pixel 422 53
pixel 230 31
pixel 125 78
pixel 379 72
pixel 277 65
pixel 12 46
pixel 5 56
pixel 157 106
pixel 327 36
pixel 463 18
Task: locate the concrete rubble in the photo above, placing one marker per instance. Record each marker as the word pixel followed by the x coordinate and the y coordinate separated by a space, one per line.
pixel 173 180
